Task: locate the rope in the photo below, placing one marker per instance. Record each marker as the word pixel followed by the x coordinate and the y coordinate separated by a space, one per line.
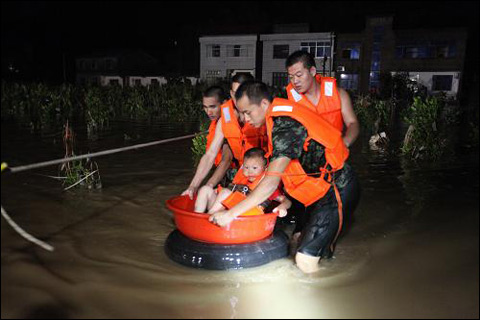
pixel 96 154
pixel 40 243
pixel 25 234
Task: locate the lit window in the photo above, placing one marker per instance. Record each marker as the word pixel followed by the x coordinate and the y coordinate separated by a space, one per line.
pixel 352 54
pixel 318 49
pixel 348 81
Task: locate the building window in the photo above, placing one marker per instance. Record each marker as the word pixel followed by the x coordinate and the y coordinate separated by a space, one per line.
pixel 352 54
pixel 411 52
pixel 318 49
pixel 441 52
pixel 443 49
pixel 154 82
pixel 213 50
pixel 351 50
pixel 349 81
pixel 114 82
pixel 426 50
pixel 281 51
pixel 442 83
pixel 93 65
pixel 374 81
pixel 279 79
pixel 237 51
pixel 137 82
pixel 212 74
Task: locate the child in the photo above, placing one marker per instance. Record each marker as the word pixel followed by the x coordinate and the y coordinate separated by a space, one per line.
pixel 250 175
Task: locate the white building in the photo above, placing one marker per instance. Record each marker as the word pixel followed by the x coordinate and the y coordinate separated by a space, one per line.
pixel 122 67
pixel 223 56
pixel 277 47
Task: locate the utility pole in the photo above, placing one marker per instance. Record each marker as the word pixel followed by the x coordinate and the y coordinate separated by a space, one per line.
pixel 324 64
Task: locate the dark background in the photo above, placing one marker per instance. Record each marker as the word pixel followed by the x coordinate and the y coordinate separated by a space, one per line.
pixel 40 37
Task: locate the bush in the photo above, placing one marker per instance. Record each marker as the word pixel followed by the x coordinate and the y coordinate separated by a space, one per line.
pixel 373 114
pixel 423 139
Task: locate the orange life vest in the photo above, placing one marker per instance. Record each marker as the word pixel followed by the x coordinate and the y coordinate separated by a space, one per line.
pixel 210 136
pixel 297 183
pixel 329 105
pixel 238 196
pixel 240 139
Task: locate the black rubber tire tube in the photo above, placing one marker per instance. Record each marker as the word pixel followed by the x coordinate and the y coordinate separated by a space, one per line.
pixel 202 255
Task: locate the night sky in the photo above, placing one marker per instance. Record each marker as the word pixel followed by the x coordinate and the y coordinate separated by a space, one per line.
pixel 37 35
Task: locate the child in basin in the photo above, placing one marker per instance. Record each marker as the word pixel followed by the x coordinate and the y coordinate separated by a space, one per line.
pixel 250 175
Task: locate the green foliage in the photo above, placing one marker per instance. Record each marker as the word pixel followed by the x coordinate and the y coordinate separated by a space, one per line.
pixel 45 108
pixel 424 140
pixel 199 143
pixel 79 173
pixel 96 112
pixel 39 106
pixel 373 114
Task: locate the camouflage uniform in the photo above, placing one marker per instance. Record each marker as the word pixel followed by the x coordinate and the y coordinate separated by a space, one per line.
pixel 321 218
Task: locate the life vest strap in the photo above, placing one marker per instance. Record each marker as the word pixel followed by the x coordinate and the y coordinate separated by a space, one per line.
pixel 322 172
pixel 340 216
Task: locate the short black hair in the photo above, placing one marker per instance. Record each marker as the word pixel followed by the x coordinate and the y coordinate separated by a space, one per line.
pixel 215 91
pixel 255 153
pixel 306 58
pixel 255 91
pixel 242 77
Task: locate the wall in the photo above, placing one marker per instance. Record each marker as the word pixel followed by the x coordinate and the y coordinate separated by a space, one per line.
pixel 223 64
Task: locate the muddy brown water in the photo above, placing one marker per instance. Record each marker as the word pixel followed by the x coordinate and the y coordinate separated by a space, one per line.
pixel 411 253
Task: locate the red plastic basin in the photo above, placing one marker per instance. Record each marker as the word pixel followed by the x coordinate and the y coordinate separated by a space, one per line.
pixel 197 227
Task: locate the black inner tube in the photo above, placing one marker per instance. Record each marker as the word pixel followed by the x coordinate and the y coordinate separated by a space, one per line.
pixel 202 255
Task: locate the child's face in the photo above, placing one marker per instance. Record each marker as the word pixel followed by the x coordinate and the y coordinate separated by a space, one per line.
pixel 253 167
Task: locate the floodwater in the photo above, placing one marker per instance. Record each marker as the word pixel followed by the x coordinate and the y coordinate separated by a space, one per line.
pixel 411 253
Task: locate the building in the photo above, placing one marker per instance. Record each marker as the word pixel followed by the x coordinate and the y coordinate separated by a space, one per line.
pixel 264 55
pixel 120 67
pixel 221 57
pixel 434 58
pixel 277 47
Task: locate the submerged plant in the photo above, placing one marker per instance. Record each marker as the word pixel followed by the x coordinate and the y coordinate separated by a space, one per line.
pixel 199 143
pixel 78 172
pixel 373 114
pixel 423 139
